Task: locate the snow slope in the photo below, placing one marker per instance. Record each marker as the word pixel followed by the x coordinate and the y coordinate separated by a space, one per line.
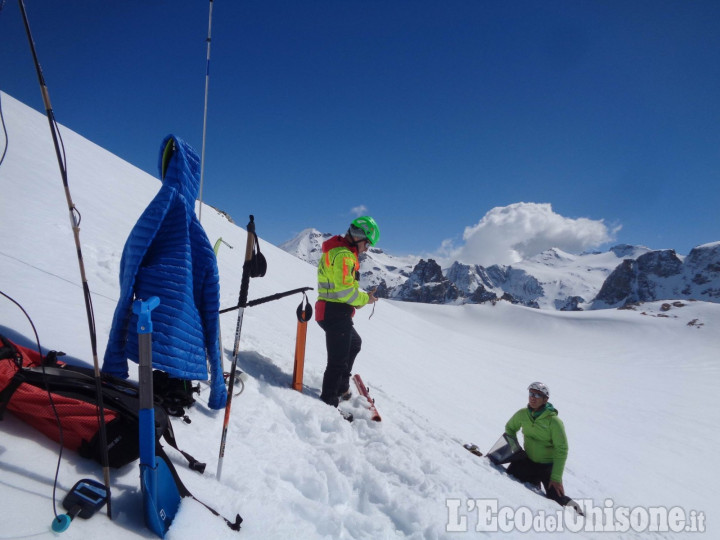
pixel 636 389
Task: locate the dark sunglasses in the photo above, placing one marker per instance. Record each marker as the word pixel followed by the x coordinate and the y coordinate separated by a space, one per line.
pixel 536 395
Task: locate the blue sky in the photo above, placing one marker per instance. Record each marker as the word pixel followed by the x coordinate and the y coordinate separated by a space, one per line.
pixel 437 118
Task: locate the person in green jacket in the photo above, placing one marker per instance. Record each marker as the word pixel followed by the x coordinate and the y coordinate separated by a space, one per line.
pixel 546 444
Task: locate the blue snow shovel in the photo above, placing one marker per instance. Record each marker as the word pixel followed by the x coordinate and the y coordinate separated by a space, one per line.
pixel 161 497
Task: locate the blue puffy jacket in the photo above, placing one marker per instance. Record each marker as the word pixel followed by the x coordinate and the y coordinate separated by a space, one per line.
pixel 168 255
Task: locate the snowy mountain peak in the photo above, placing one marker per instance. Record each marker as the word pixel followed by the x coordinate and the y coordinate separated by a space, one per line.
pixel 709 245
pixel 553 255
pixel 307 245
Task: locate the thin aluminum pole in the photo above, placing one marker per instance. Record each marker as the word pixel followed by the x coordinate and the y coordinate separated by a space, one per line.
pixel 207 85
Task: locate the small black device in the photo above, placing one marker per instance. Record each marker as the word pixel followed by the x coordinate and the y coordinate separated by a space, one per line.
pixel 84 499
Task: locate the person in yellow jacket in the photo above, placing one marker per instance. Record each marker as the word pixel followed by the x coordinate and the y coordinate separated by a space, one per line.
pixel 546 444
pixel 339 294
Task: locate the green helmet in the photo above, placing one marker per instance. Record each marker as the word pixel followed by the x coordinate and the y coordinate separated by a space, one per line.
pixel 367 227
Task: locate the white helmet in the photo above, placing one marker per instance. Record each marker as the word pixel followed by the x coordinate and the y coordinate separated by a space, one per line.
pixel 540 387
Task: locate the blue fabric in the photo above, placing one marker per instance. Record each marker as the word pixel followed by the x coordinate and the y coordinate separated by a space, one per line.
pixel 169 255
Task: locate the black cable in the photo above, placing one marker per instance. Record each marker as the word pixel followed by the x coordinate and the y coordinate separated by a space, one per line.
pixel 2 122
pixel 2 118
pixel 50 397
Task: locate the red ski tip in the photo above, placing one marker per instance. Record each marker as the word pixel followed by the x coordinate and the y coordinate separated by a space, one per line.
pixel 362 389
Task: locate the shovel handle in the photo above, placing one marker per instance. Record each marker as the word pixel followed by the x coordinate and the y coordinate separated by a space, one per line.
pixel 143 309
pixel 146 414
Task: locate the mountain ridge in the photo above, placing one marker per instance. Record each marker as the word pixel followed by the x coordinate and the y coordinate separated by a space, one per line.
pixel 552 279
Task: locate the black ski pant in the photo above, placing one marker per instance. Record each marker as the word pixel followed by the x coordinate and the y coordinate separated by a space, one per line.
pixel 343 345
pixel 526 470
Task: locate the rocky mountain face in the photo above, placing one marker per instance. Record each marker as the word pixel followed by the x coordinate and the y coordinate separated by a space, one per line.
pixel 464 284
pixel 663 275
pixel 427 284
pixel 551 280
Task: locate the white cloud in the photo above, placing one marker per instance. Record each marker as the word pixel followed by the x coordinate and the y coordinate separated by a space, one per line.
pixel 509 234
pixel 359 210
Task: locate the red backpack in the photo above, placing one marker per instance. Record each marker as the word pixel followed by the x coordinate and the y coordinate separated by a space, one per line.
pixel 27 379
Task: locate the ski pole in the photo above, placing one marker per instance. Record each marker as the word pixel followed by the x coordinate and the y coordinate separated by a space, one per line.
pixel 242 301
pixel 75 219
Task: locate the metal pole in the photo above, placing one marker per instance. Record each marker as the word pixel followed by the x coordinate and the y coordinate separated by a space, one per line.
pixel 207 84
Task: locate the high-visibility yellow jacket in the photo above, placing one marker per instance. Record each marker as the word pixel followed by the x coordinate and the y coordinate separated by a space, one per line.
pixel 338 273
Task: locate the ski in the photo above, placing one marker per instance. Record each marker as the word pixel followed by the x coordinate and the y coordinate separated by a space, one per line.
pixel 362 389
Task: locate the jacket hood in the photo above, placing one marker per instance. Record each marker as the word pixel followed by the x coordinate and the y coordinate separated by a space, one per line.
pixel 337 241
pixel 179 168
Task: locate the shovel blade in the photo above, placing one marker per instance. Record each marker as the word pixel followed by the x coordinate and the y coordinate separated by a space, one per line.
pixel 161 498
